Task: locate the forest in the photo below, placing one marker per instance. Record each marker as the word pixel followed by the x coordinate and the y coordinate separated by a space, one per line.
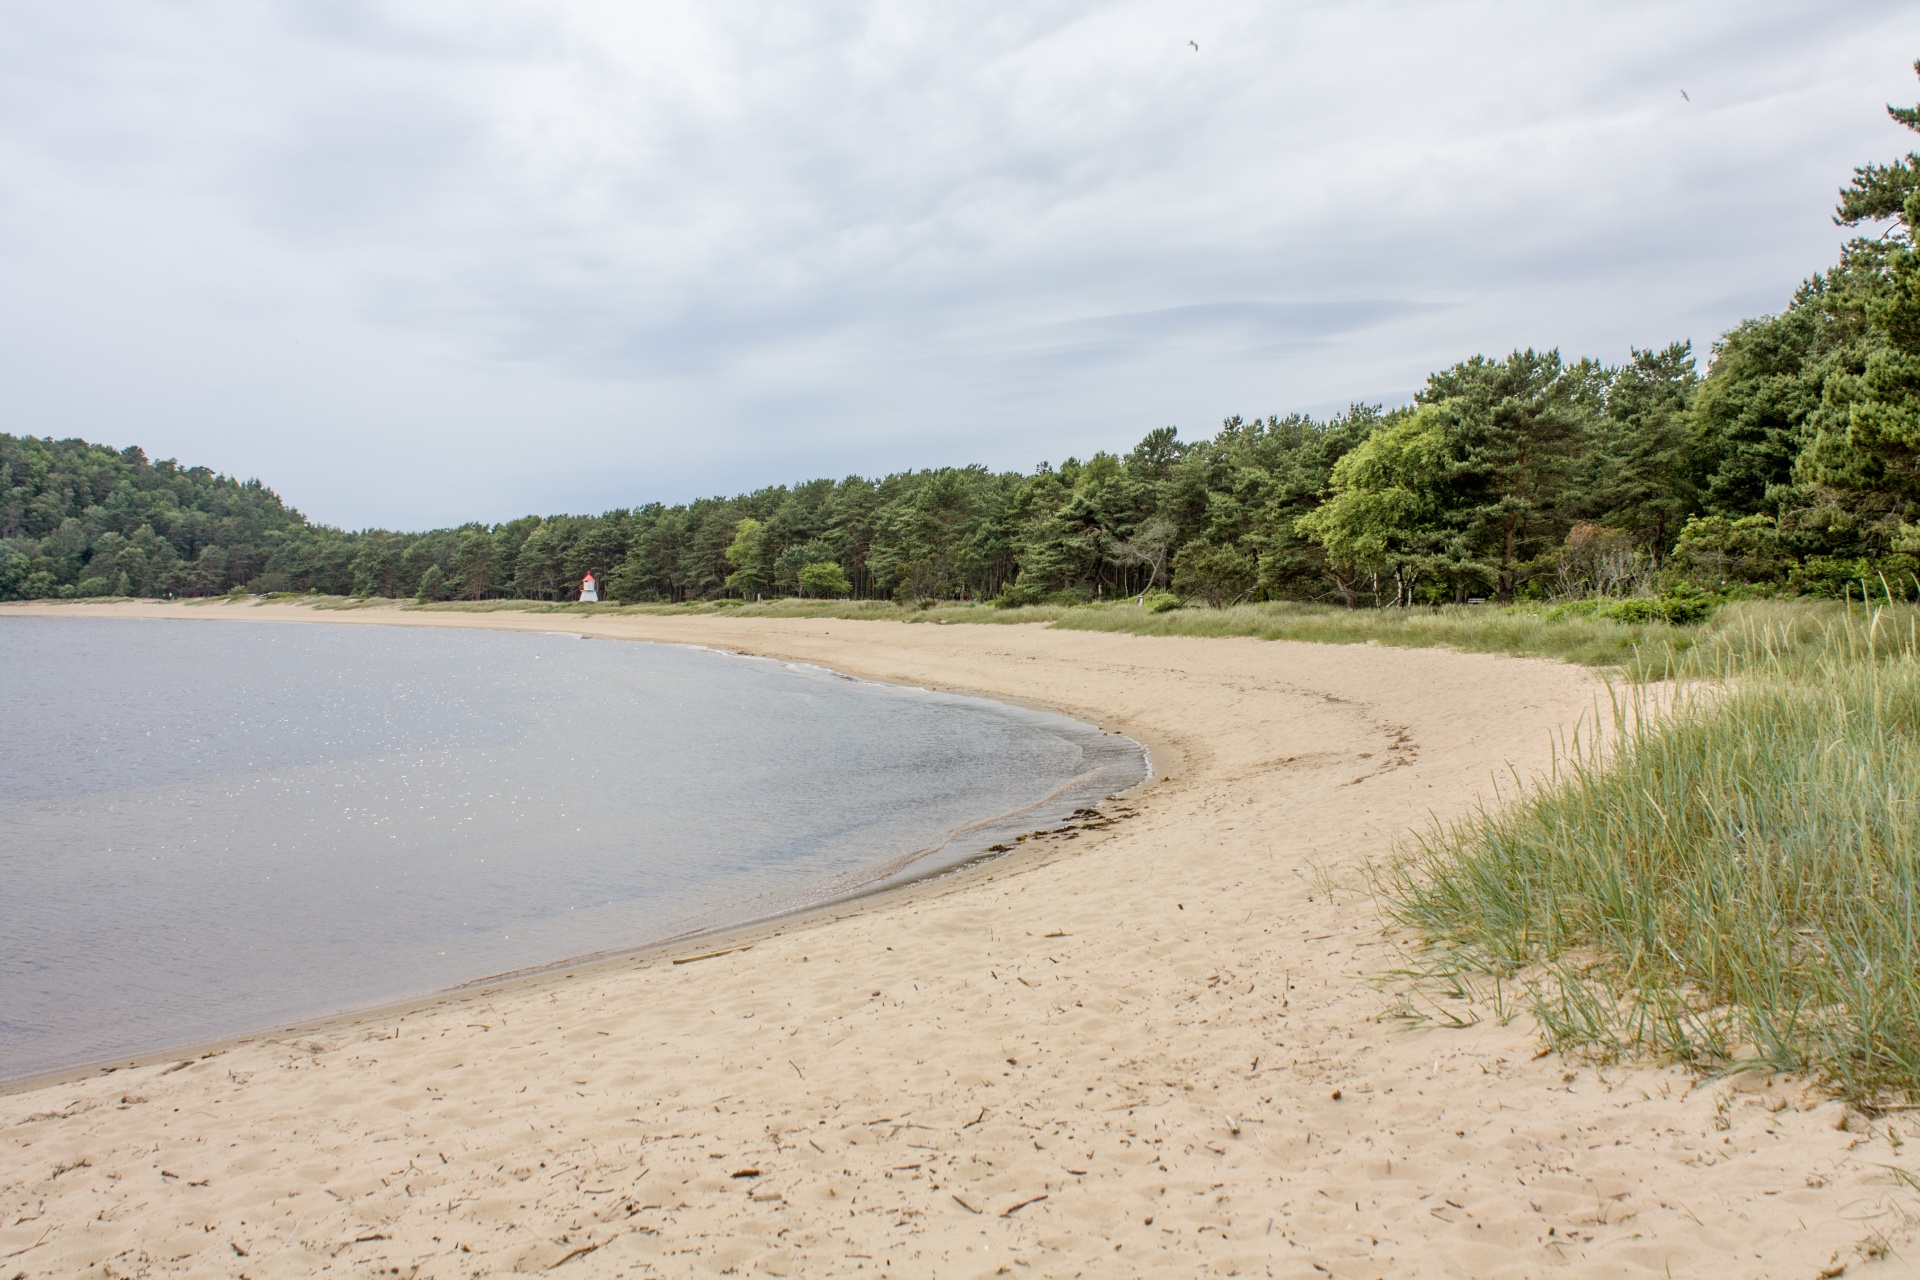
pixel 1791 466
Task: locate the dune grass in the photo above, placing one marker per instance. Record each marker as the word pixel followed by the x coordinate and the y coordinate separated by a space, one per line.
pixel 1524 630
pixel 1730 885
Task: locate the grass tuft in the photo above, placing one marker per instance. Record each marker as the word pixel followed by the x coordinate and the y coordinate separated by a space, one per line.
pixel 1731 884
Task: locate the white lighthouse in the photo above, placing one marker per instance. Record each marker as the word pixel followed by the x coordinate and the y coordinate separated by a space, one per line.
pixel 589 590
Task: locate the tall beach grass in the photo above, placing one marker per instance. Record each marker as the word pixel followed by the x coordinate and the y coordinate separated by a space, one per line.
pixel 1730 882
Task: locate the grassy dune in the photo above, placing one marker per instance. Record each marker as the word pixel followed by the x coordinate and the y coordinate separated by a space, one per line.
pixel 1733 886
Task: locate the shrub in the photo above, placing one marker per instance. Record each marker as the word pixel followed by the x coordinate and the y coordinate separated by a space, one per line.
pixel 1015 596
pixel 1682 604
pixel 824 578
pixel 1829 576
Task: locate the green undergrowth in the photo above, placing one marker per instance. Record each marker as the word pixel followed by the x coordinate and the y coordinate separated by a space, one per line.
pixel 1730 884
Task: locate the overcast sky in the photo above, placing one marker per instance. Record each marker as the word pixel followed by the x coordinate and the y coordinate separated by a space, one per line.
pixel 413 262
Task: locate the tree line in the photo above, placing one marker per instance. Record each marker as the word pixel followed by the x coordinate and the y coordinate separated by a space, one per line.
pixel 1792 464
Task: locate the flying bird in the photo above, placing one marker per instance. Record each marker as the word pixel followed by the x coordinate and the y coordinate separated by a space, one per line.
pixel 1683 93
pixel 1196 48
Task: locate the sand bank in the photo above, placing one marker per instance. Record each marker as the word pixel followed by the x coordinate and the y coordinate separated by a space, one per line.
pixel 1155 1045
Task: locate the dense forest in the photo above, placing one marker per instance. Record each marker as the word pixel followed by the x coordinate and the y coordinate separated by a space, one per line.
pixel 1792 465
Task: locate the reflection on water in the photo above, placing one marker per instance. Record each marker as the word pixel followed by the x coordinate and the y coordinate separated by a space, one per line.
pixel 212 827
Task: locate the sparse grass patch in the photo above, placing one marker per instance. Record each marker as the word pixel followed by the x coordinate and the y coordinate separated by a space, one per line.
pixel 1522 630
pixel 1730 884
pixel 1645 647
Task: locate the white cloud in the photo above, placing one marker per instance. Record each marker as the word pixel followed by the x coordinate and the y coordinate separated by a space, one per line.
pixel 412 262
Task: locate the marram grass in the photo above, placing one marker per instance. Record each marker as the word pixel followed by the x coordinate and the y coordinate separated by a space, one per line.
pixel 1735 882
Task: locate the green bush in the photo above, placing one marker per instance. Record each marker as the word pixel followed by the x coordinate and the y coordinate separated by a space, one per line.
pixel 1682 604
pixel 1015 596
pixel 1829 576
pixel 824 578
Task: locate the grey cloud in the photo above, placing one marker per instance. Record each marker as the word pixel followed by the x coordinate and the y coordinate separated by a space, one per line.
pixel 717 246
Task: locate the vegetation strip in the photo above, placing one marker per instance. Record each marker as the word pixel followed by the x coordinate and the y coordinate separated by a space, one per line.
pixel 1735 885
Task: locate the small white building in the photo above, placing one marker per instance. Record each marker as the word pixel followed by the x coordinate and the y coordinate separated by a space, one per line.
pixel 589 590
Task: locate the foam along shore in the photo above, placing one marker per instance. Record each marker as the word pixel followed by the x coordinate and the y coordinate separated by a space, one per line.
pixel 1157 1044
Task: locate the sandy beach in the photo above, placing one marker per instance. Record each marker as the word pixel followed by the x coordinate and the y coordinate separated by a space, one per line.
pixel 1162 1043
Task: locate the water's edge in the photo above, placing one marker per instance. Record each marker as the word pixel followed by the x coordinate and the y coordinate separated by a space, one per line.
pixel 966 850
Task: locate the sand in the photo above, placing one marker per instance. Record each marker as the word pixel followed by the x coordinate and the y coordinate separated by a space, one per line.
pixel 1163 1044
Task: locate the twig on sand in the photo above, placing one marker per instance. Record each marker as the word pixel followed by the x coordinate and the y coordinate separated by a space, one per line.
pixel 711 954
pixel 582 1251
pixel 1010 1210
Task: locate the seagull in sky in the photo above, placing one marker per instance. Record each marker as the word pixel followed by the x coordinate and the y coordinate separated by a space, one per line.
pixel 1683 93
pixel 1196 48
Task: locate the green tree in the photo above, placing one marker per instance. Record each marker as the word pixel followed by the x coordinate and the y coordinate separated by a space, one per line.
pixel 1218 574
pixel 1880 399
pixel 825 579
pixel 433 584
pixel 1150 547
pixel 1517 429
pixel 747 553
pixel 1388 515
pixel 1635 475
pixel 787 566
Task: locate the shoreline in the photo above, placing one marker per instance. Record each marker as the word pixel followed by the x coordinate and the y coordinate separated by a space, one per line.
pixel 896 876
pixel 1165 1049
pixel 883 891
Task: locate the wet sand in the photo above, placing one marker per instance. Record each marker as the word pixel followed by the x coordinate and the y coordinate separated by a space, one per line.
pixel 1159 1043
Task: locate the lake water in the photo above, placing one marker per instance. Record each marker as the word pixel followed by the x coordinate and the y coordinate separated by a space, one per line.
pixel 214 827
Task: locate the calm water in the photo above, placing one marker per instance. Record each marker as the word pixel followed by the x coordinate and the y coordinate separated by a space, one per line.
pixel 214 827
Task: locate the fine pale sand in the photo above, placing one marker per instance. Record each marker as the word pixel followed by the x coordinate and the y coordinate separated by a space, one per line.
pixel 1157 1045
